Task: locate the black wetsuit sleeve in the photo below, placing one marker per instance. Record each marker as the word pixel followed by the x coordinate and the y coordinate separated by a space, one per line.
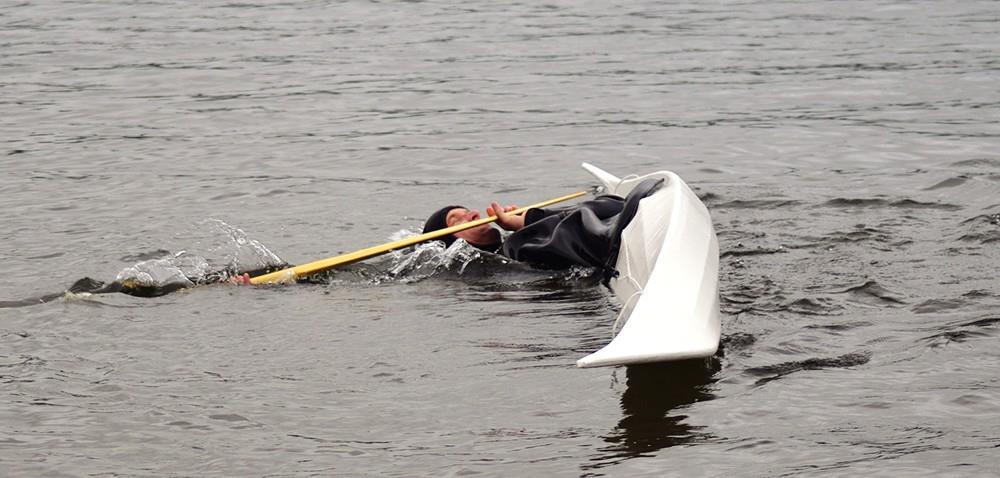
pixel 602 206
pixel 587 234
pixel 562 237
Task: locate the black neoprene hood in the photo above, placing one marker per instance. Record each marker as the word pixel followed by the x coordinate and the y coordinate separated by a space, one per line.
pixel 439 220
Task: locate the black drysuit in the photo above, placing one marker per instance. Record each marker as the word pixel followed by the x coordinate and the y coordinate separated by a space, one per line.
pixel 586 234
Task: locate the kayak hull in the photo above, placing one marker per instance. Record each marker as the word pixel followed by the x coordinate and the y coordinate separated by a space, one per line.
pixel 668 280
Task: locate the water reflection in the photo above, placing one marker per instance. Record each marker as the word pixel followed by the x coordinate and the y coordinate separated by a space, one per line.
pixel 652 393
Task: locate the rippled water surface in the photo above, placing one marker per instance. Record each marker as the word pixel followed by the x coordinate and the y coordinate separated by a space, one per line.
pixel 847 151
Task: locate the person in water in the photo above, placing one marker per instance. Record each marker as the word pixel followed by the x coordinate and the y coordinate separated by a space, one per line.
pixel 586 234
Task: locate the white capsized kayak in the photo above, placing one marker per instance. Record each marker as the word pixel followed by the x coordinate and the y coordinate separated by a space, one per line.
pixel 668 278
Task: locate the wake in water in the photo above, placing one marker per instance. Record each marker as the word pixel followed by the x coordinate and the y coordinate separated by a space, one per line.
pixel 162 272
pixel 162 275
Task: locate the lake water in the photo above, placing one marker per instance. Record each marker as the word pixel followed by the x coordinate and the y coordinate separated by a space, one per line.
pixel 847 151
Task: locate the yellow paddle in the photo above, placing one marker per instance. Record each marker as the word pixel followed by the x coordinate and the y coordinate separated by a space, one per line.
pixel 293 273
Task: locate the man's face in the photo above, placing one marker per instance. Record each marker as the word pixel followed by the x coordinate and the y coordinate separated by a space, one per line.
pixel 484 235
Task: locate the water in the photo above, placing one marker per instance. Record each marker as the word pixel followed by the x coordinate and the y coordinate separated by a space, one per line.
pixel 847 152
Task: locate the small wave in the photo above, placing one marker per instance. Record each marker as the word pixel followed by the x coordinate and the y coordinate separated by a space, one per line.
pixel 708 197
pixel 580 292
pixel 21 360
pixel 736 342
pixel 949 183
pixel 750 292
pixel 873 290
pixel 983 227
pixel 963 331
pixel 913 204
pixel 982 238
pixel 957 336
pixel 839 327
pixel 529 352
pixel 978 163
pixel 984 322
pixel 813 306
pixel 80 288
pixel 878 202
pixel 90 300
pixel 855 202
pixel 861 233
pixel 758 204
pixel 739 252
pixel 774 372
pixel 147 255
pixel 991 219
pixel 937 305
pixel 46 256
pixel 12 304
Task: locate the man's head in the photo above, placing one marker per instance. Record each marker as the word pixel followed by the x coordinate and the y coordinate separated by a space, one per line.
pixel 483 237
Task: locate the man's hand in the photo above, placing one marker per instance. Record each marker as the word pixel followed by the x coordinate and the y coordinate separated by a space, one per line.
pixel 509 222
pixel 242 279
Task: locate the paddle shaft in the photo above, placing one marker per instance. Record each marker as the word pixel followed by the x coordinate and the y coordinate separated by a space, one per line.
pixel 293 273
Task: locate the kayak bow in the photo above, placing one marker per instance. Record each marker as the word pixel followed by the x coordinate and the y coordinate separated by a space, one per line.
pixel 668 280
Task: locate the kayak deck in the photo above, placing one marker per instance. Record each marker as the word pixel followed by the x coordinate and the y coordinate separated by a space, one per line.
pixel 668 278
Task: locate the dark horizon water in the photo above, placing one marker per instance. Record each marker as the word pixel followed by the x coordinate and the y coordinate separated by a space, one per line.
pixel 847 151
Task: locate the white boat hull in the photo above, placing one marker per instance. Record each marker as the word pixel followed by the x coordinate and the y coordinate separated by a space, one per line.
pixel 668 279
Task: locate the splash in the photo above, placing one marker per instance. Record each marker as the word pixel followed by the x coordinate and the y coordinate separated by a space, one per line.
pixel 181 269
pixel 220 261
pixel 430 258
pixel 243 253
pixel 475 266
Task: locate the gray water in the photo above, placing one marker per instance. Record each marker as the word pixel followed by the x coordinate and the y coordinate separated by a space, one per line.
pixel 847 151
